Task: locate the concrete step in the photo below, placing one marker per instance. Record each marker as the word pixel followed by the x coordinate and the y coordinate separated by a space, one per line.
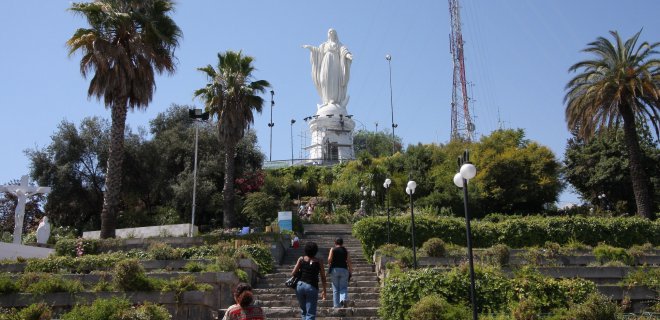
pixel 284 290
pixel 327 303
pixel 291 295
pixel 281 277
pixel 292 312
pixel 352 283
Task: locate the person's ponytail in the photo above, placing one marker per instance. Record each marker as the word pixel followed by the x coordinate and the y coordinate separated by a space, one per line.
pixel 245 299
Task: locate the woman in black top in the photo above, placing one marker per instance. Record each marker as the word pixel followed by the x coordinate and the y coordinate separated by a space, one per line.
pixel 307 291
pixel 339 264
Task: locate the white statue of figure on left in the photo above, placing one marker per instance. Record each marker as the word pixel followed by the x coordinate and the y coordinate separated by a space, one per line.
pixel 22 192
pixel 43 231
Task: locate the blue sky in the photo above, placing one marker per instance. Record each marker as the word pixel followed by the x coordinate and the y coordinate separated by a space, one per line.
pixel 517 56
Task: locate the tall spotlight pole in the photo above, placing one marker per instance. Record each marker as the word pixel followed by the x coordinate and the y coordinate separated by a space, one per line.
pixel 386 184
pixel 394 125
pixel 292 122
pixel 410 190
pixel 195 114
pixel 271 125
pixel 466 172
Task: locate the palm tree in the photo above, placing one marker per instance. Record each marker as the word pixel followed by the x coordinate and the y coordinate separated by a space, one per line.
pixel 621 85
pixel 126 41
pixel 231 95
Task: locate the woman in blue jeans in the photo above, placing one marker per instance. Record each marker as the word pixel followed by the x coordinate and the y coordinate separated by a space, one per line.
pixel 307 291
pixel 341 269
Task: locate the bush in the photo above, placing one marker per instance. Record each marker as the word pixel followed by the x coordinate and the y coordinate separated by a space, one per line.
pixel 41 283
pixel 148 310
pixel 118 309
pixel 435 307
pixel 7 285
pixel 194 266
pixel 434 247
pixel 605 253
pixel 226 263
pixel 497 255
pixel 261 255
pixel 129 276
pixel 402 254
pixel 163 251
pixel 595 307
pixel 549 293
pixel 185 283
pixel 402 290
pixel 36 311
pixel 242 276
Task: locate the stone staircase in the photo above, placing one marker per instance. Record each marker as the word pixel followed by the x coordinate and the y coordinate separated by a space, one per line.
pixel 279 302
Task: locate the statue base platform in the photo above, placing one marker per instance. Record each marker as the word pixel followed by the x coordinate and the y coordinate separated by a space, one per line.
pixel 13 251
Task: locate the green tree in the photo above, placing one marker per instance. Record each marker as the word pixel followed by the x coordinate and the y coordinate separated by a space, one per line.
pixel 232 96
pixel 598 170
pixel 621 84
pixel 514 175
pixel 260 208
pixel 377 144
pixel 126 42
pixel 74 165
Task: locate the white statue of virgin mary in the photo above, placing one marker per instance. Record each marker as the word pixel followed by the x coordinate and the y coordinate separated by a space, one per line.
pixel 331 65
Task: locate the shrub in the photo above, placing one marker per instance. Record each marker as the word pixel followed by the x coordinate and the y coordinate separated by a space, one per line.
pixel 148 311
pixel 35 311
pixel 163 251
pixel 199 252
pixel 402 290
pixel 185 283
pixel 547 292
pixel 194 266
pixel 261 255
pixel 644 276
pixel 435 307
pixel 41 283
pixel 497 255
pixel 7 285
pixel 434 247
pixel 402 254
pixel 100 309
pixel 595 307
pixel 605 253
pixel 129 276
pixel 71 247
pixel 226 263
pixel 242 275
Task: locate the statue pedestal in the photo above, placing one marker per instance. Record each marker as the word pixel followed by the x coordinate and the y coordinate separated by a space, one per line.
pixel 13 251
pixel 332 136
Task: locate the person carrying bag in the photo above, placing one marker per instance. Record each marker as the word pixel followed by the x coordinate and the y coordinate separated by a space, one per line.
pixel 307 290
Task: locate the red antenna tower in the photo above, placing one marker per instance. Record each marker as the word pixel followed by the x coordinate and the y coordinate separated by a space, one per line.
pixel 462 126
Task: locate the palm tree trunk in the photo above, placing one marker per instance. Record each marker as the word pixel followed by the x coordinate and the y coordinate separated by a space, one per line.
pixel 229 214
pixel 113 176
pixel 640 180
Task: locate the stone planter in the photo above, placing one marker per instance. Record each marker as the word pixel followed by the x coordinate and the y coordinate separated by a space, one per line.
pixel 190 305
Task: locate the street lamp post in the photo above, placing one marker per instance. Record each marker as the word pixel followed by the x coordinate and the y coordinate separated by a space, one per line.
pixel 292 122
pixel 271 125
pixel 195 114
pixel 466 172
pixel 386 185
pixel 394 125
pixel 410 190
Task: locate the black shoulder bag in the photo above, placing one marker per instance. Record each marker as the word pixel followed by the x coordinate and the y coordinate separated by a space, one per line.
pixel 293 281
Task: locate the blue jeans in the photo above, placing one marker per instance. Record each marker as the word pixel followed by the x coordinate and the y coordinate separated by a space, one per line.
pixel 308 297
pixel 339 278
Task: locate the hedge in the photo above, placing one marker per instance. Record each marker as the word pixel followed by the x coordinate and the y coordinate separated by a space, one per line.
pixel 495 292
pixel 517 232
